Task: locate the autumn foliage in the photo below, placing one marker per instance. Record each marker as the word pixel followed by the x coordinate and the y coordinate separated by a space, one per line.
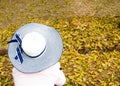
pixel 91 54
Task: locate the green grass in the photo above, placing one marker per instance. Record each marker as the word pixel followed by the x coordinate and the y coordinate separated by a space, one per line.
pixel 91 55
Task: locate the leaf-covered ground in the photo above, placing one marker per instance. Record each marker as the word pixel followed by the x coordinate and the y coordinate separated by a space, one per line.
pixel 91 55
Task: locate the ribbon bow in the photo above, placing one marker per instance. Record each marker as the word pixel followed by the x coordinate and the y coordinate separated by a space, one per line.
pixel 18 49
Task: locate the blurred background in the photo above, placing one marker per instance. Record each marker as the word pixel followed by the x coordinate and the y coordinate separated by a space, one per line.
pixel 90 30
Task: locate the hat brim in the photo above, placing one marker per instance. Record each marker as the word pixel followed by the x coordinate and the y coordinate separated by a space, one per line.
pixel 49 57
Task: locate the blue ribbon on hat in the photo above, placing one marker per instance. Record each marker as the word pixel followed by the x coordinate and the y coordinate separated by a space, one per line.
pixel 18 49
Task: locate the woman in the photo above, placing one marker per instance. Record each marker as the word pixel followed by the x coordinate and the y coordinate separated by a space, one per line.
pixel 35 51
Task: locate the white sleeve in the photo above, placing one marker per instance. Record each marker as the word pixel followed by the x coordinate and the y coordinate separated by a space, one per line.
pixel 35 79
pixel 61 79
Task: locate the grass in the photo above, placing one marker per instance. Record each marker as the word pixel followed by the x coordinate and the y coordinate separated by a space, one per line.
pixel 91 55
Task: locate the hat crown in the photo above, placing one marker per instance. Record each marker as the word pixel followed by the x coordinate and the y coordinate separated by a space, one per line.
pixel 33 44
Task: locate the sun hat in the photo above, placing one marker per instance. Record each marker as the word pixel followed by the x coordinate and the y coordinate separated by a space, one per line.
pixel 35 47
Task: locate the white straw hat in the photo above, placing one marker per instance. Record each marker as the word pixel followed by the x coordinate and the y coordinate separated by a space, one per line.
pixel 35 47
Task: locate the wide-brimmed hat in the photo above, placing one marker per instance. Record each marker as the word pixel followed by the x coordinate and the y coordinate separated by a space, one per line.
pixel 35 47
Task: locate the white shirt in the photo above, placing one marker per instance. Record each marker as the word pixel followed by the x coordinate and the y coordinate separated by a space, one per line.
pixel 48 77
